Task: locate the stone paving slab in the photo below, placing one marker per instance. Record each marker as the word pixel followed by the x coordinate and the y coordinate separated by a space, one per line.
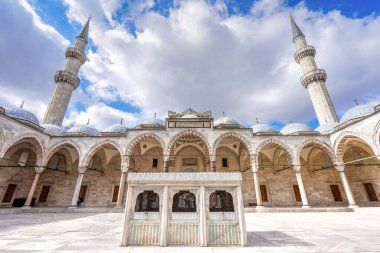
pixel 267 232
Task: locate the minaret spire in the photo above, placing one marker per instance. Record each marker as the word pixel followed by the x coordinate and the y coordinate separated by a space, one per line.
pixel 66 80
pixel 313 78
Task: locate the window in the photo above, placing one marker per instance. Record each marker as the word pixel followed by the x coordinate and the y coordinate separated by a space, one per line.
pixel 184 201
pixel 44 193
pixel 264 195
pixel 336 193
pixel 147 201
pixel 370 192
pixel 297 193
pixel 221 201
pixel 82 192
pixel 155 163
pixel 224 162
pixel 9 193
pixel 115 193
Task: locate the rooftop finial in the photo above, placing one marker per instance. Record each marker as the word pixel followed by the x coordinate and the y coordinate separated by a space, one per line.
pixel 356 101
pixel 257 120
pixel 84 32
pixel 155 115
pixel 291 121
pixel 224 114
pixel 295 29
pixel 88 121
pixel 22 104
pixel 121 122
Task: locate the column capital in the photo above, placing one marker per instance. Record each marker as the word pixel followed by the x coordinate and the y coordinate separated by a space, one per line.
pixel 339 167
pixel 82 170
pixel 254 167
pixel 39 169
pixel 297 168
pixel 213 157
pixel 124 168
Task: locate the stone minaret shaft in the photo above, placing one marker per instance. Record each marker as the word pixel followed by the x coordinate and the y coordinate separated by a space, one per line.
pixel 313 78
pixel 66 80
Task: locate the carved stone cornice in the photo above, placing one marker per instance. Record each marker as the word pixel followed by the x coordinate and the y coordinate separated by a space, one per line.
pixel 66 77
pixel 72 52
pixel 313 76
pixel 303 52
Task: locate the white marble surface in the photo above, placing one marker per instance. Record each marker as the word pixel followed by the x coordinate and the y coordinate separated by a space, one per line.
pixel 267 232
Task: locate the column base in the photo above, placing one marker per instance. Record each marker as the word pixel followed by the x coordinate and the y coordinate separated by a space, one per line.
pixel 306 206
pixel 72 207
pixel 119 207
pixel 353 206
pixel 26 207
pixel 260 207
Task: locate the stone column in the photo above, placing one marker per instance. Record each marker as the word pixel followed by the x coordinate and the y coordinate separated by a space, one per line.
pixel 28 200
pixel 166 164
pixel 74 200
pixel 240 207
pixel 346 186
pixel 202 218
pixel 164 216
pixel 127 216
pixel 255 170
pixel 213 163
pixel 123 177
pixel 297 171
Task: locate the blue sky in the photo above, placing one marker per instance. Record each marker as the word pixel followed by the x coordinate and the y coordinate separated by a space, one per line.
pixel 147 57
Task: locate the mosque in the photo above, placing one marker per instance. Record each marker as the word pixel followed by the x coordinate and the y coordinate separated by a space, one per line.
pixel 336 164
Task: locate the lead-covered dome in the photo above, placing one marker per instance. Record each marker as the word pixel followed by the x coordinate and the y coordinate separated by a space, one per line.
pixel 115 129
pixel 357 112
pixel 225 121
pixel 84 129
pixel 293 128
pixel 52 129
pixel 262 128
pixel 326 128
pixel 23 114
pixel 153 122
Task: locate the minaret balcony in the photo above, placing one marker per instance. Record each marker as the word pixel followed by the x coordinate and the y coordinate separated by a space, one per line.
pixel 73 52
pixel 67 77
pixel 313 76
pixel 303 52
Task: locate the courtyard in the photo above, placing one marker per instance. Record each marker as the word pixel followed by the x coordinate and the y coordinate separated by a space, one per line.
pixel 267 232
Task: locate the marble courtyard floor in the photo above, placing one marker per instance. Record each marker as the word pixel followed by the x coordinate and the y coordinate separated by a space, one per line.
pixel 267 232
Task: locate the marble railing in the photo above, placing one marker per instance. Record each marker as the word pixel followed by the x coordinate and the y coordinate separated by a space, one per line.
pixel 220 216
pixel 226 233
pixel 146 215
pixel 190 216
pixel 183 233
pixel 143 233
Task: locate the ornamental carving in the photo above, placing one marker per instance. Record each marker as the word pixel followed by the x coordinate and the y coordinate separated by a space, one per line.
pixel 66 77
pixel 72 52
pixel 189 111
pixel 313 76
pixel 303 52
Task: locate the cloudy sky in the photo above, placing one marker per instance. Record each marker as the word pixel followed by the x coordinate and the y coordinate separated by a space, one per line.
pixel 147 57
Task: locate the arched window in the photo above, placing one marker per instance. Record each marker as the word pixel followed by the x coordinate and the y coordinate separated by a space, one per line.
pixel 221 201
pixel 184 201
pixel 147 201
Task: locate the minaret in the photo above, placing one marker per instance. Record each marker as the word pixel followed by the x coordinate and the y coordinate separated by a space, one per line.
pixel 313 78
pixel 66 80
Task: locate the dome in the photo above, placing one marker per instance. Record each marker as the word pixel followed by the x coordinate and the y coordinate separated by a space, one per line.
pixel 295 128
pixel 357 111
pixel 84 129
pixel 326 128
pixel 153 122
pixel 262 128
pixel 52 129
pixel 225 121
pixel 115 129
pixel 21 113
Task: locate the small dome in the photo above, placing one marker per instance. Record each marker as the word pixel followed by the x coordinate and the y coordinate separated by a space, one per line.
pixel 189 116
pixel 326 128
pixel 262 128
pixel 115 129
pixel 21 113
pixel 295 128
pixel 52 129
pixel 225 121
pixel 357 112
pixel 153 122
pixel 84 129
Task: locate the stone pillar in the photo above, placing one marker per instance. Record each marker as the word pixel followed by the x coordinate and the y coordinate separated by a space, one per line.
pixel 74 200
pixel 127 216
pixel 202 211
pixel 164 216
pixel 166 164
pixel 305 201
pixel 213 163
pixel 28 200
pixel 346 186
pixel 255 170
pixel 120 194
pixel 240 207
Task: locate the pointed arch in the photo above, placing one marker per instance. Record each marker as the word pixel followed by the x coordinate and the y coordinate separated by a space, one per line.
pixel 232 134
pixel 92 150
pixel 322 145
pixel 141 137
pixel 56 147
pixel 187 132
pixel 278 143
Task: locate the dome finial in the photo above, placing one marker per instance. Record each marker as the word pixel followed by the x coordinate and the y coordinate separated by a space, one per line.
pixel 356 101
pixel 257 120
pixel 155 115
pixel 291 121
pixel 224 114
pixel 121 122
pixel 88 122
pixel 22 104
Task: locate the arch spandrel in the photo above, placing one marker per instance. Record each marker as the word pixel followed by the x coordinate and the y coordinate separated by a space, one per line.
pixel 56 147
pixel 141 137
pixel 187 132
pixel 92 150
pixel 278 143
pixel 320 144
pixel 235 135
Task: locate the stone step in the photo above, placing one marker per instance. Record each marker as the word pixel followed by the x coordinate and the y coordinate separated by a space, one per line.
pixel 296 209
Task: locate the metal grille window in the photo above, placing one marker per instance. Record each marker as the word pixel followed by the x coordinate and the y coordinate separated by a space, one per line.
pixel 221 201
pixel 147 201
pixel 224 162
pixel 184 201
